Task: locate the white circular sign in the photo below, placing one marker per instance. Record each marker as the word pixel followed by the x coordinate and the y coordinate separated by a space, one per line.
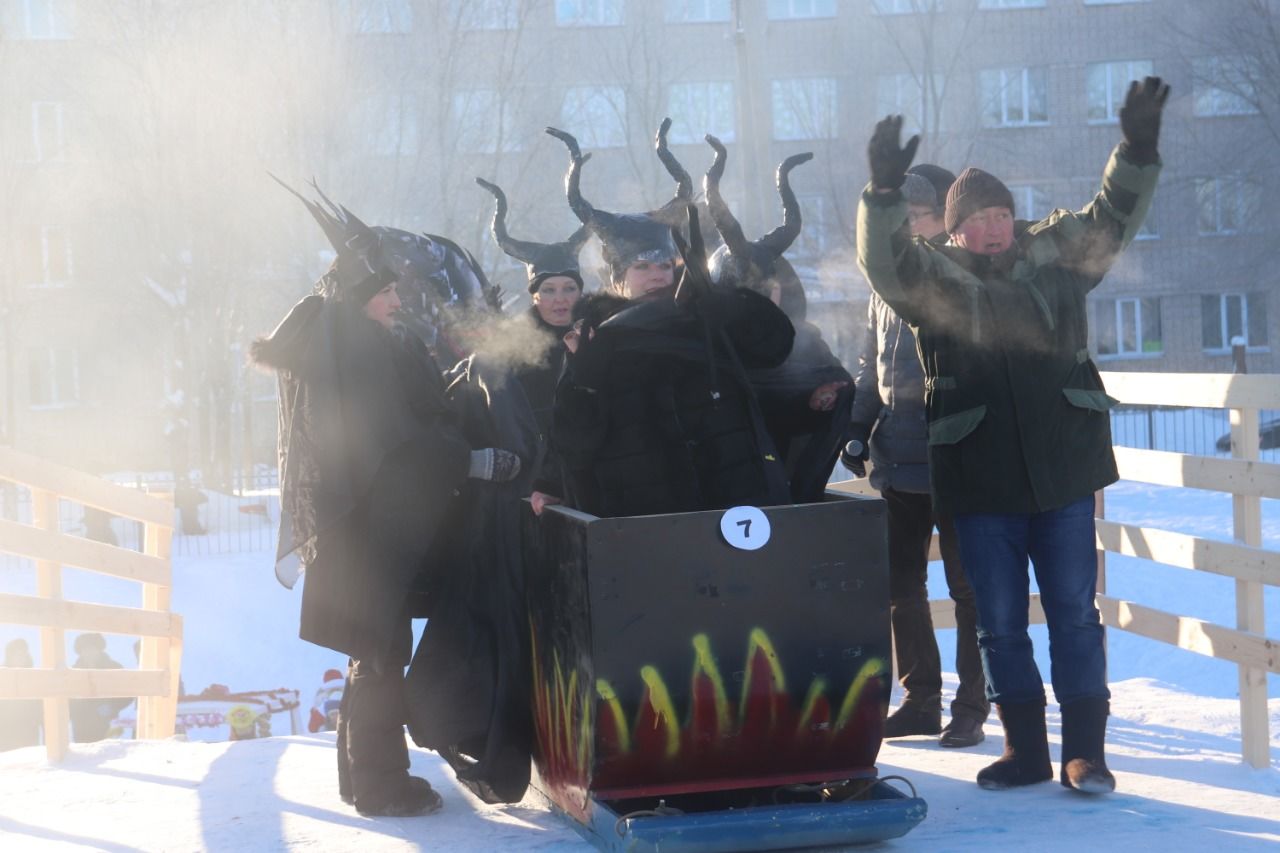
pixel 745 527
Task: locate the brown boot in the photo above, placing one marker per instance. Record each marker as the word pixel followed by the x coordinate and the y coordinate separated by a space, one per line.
pixel 1084 731
pixel 1026 749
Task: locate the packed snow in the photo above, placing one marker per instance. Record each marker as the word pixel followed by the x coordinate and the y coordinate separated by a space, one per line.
pixel 1173 741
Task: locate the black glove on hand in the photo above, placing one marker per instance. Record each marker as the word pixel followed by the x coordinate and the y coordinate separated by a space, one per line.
pixel 854 457
pixel 1140 118
pixel 889 161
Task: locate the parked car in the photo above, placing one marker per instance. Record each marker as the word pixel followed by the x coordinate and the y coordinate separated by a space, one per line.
pixel 1268 436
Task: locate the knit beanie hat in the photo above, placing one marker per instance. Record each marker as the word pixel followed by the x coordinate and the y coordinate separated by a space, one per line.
pixel 918 191
pixel 972 191
pixel 941 178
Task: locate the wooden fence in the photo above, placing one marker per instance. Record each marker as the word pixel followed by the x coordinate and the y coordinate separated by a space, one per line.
pixel 1244 560
pixel 155 681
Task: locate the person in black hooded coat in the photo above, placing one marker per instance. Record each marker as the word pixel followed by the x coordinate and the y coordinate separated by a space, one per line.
pixel 479 644
pixel 370 460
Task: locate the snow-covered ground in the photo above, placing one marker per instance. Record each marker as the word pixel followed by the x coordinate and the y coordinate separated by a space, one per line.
pixel 1174 738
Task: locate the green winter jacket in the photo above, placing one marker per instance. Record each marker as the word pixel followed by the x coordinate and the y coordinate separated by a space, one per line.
pixel 1017 412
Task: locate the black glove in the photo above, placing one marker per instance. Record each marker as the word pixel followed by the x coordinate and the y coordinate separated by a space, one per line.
pixel 855 452
pixel 889 161
pixel 1140 118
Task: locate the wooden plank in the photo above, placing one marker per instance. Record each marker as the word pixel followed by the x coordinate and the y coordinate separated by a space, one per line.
pixel 153 719
pixel 860 486
pixel 81 683
pixel 53 643
pixel 28 541
pixel 83 488
pixel 1200 390
pixel 1194 635
pixel 84 616
pixel 1239 476
pixel 1184 551
pixel 1255 746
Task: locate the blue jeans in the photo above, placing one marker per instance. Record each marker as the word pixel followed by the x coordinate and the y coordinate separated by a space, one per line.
pixel 994 548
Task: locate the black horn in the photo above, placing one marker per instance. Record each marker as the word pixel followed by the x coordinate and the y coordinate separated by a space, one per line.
pixel 572 179
pixel 521 250
pixel 673 212
pixel 726 223
pixel 780 239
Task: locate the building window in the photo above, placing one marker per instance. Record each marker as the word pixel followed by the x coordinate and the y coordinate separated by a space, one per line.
pixel 697 109
pixel 1223 86
pixel 380 16
pixel 1107 84
pixel 46 257
pixel 905 95
pixel 804 108
pixel 811 245
pixel 696 11
pixel 1226 205
pixel 53 375
pixel 1010 4
pixel 47 19
pixel 484 122
pixel 785 10
pixel 487 14
pixel 904 7
pixel 1031 202
pixel 597 115
pixel 390 121
pixel 47 123
pixel 1014 97
pixel 1128 326
pixel 1227 316
pixel 588 13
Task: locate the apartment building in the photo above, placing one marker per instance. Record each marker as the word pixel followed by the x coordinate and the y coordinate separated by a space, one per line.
pixel 144 243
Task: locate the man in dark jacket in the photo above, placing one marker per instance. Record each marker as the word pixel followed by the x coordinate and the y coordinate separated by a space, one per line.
pixel 1019 436
pixel 889 409
pixel 370 460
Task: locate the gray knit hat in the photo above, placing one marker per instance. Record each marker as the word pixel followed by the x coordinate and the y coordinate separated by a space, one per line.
pixel 917 190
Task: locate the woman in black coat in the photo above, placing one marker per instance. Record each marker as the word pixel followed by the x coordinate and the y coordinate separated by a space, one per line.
pixel 370 460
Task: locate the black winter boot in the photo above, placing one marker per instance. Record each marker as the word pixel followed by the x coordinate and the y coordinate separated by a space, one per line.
pixel 1026 749
pixel 1084 732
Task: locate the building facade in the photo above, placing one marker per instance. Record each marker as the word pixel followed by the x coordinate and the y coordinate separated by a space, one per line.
pixel 144 244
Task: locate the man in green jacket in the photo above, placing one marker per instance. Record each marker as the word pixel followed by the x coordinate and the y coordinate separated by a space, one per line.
pixel 1019 435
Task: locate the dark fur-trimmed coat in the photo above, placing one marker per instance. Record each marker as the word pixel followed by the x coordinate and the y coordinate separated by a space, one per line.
pixel 655 413
pixel 370 460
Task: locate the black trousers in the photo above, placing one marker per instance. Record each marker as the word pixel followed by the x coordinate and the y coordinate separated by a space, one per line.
pixel 372 755
pixel 911 523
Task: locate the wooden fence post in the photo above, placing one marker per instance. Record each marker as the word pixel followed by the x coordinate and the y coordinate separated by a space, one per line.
pixel 1250 615
pixel 156 714
pixel 53 641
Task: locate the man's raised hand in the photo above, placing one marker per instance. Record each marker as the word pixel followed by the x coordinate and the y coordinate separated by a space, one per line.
pixel 1140 117
pixel 888 159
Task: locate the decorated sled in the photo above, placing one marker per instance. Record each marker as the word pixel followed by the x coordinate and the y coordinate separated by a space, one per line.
pixel 714 680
